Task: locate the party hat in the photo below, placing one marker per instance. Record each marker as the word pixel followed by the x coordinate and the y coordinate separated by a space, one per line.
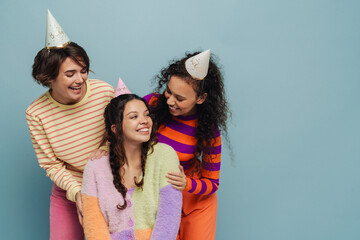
pixel 121 88
pixel 198 65
pixel 55 35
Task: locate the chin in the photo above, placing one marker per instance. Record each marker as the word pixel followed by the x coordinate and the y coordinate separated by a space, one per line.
pixel 175 114
pixel 144 139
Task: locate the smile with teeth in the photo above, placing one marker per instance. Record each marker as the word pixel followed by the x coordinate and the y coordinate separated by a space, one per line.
pixel 75 88
pixel 173 108
pixel 143 130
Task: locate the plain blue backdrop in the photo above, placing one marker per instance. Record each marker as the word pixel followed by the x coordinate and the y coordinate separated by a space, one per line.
pixel 292 76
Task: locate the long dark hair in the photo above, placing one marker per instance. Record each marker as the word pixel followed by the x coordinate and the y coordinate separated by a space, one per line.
pixel 114 114
pixel 212 113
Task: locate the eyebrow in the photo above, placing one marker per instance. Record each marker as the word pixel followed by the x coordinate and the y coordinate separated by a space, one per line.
pixel 131 112
pixel 177 95
pixel 136 112
pixel 74 70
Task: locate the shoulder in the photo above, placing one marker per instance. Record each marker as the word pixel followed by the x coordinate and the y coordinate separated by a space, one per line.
pixel 100 85
pixel 98 165
pixel 164 154
pixel 36 105
pixel 98 82
pixel 163 148
pixel 150 98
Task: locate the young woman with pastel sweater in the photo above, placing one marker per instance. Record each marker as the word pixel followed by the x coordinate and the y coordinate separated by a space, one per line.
pixel 126 194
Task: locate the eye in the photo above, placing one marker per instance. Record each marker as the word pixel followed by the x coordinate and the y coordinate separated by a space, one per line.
pixel 168 90
pixel 133 117
pixel 69 75
pixel 179 99
pixel 84 70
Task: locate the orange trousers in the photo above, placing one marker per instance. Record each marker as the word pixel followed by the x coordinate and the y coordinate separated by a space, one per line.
pixel 198 220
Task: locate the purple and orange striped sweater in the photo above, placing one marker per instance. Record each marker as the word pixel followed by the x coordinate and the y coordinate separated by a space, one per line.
pixel 179 133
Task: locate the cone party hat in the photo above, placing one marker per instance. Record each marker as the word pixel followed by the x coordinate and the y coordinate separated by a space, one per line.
pixel 55 35
pixel 121 88
pixel 197 66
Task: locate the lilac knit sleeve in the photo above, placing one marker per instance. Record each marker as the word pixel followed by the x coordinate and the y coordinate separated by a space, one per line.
pixel 169 214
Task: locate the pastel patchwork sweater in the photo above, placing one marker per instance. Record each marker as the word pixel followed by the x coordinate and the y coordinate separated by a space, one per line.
pixel 179 133
pixel 63 136
pixel 152 213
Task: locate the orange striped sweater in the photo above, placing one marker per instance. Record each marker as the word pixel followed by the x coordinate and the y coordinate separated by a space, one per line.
pixel 63 136
pixel 179 133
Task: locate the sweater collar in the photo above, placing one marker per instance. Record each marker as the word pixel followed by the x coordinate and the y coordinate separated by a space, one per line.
pixel 187 118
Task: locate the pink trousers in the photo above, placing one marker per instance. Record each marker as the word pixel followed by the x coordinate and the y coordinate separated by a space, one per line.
pixel 64 222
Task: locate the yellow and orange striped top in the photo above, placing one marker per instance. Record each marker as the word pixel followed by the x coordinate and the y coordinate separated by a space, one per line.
pixel 63 136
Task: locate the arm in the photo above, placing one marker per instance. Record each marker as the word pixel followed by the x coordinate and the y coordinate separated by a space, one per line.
pixel 54 167
pixel 210 172
pixel 170 200
pixel 95 226
pixel 169 214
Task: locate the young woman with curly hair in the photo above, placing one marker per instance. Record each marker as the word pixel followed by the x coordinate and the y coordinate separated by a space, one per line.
pixel 126 194
pixel 189 115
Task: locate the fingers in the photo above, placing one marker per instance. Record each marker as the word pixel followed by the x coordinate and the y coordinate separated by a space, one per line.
pixel 178 188
pixel 80 216
pixel 79 207
pixel 177 180
pixel 98 153
pixel 176 184
pixel 174 175
pixel 91 157
pixel 181 169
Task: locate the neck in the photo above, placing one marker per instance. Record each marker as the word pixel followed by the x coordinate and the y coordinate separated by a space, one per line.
pixel 133 154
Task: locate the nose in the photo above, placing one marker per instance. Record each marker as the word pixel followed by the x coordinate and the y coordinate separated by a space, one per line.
pixel 81 77
pixel 144 120
pixel 170 101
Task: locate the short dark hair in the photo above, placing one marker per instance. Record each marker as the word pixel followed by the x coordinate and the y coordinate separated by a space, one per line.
pixel 47 62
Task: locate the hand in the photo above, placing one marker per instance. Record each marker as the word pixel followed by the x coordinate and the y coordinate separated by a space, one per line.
pixel 177 179
pixel 98 153
pixel 79 207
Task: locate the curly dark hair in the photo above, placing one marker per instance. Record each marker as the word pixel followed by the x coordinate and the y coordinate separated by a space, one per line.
pixel 47 62
pixel 212 113
pixel 114 115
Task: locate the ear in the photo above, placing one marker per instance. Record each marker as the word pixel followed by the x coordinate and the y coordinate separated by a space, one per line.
pixel 201 99
pixel 50 82
pixel 113 128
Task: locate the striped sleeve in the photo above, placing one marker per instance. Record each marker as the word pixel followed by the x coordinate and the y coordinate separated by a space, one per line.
pixel 95 226
pixel 54 167
pixel 210 171
pixel 151 98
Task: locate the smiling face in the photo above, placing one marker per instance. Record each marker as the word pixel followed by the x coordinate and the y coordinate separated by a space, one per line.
pixel 137 122
pixel 69 87
pixel 181 97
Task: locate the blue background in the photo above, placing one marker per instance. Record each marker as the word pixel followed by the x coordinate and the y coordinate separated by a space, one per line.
pixel 292 78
